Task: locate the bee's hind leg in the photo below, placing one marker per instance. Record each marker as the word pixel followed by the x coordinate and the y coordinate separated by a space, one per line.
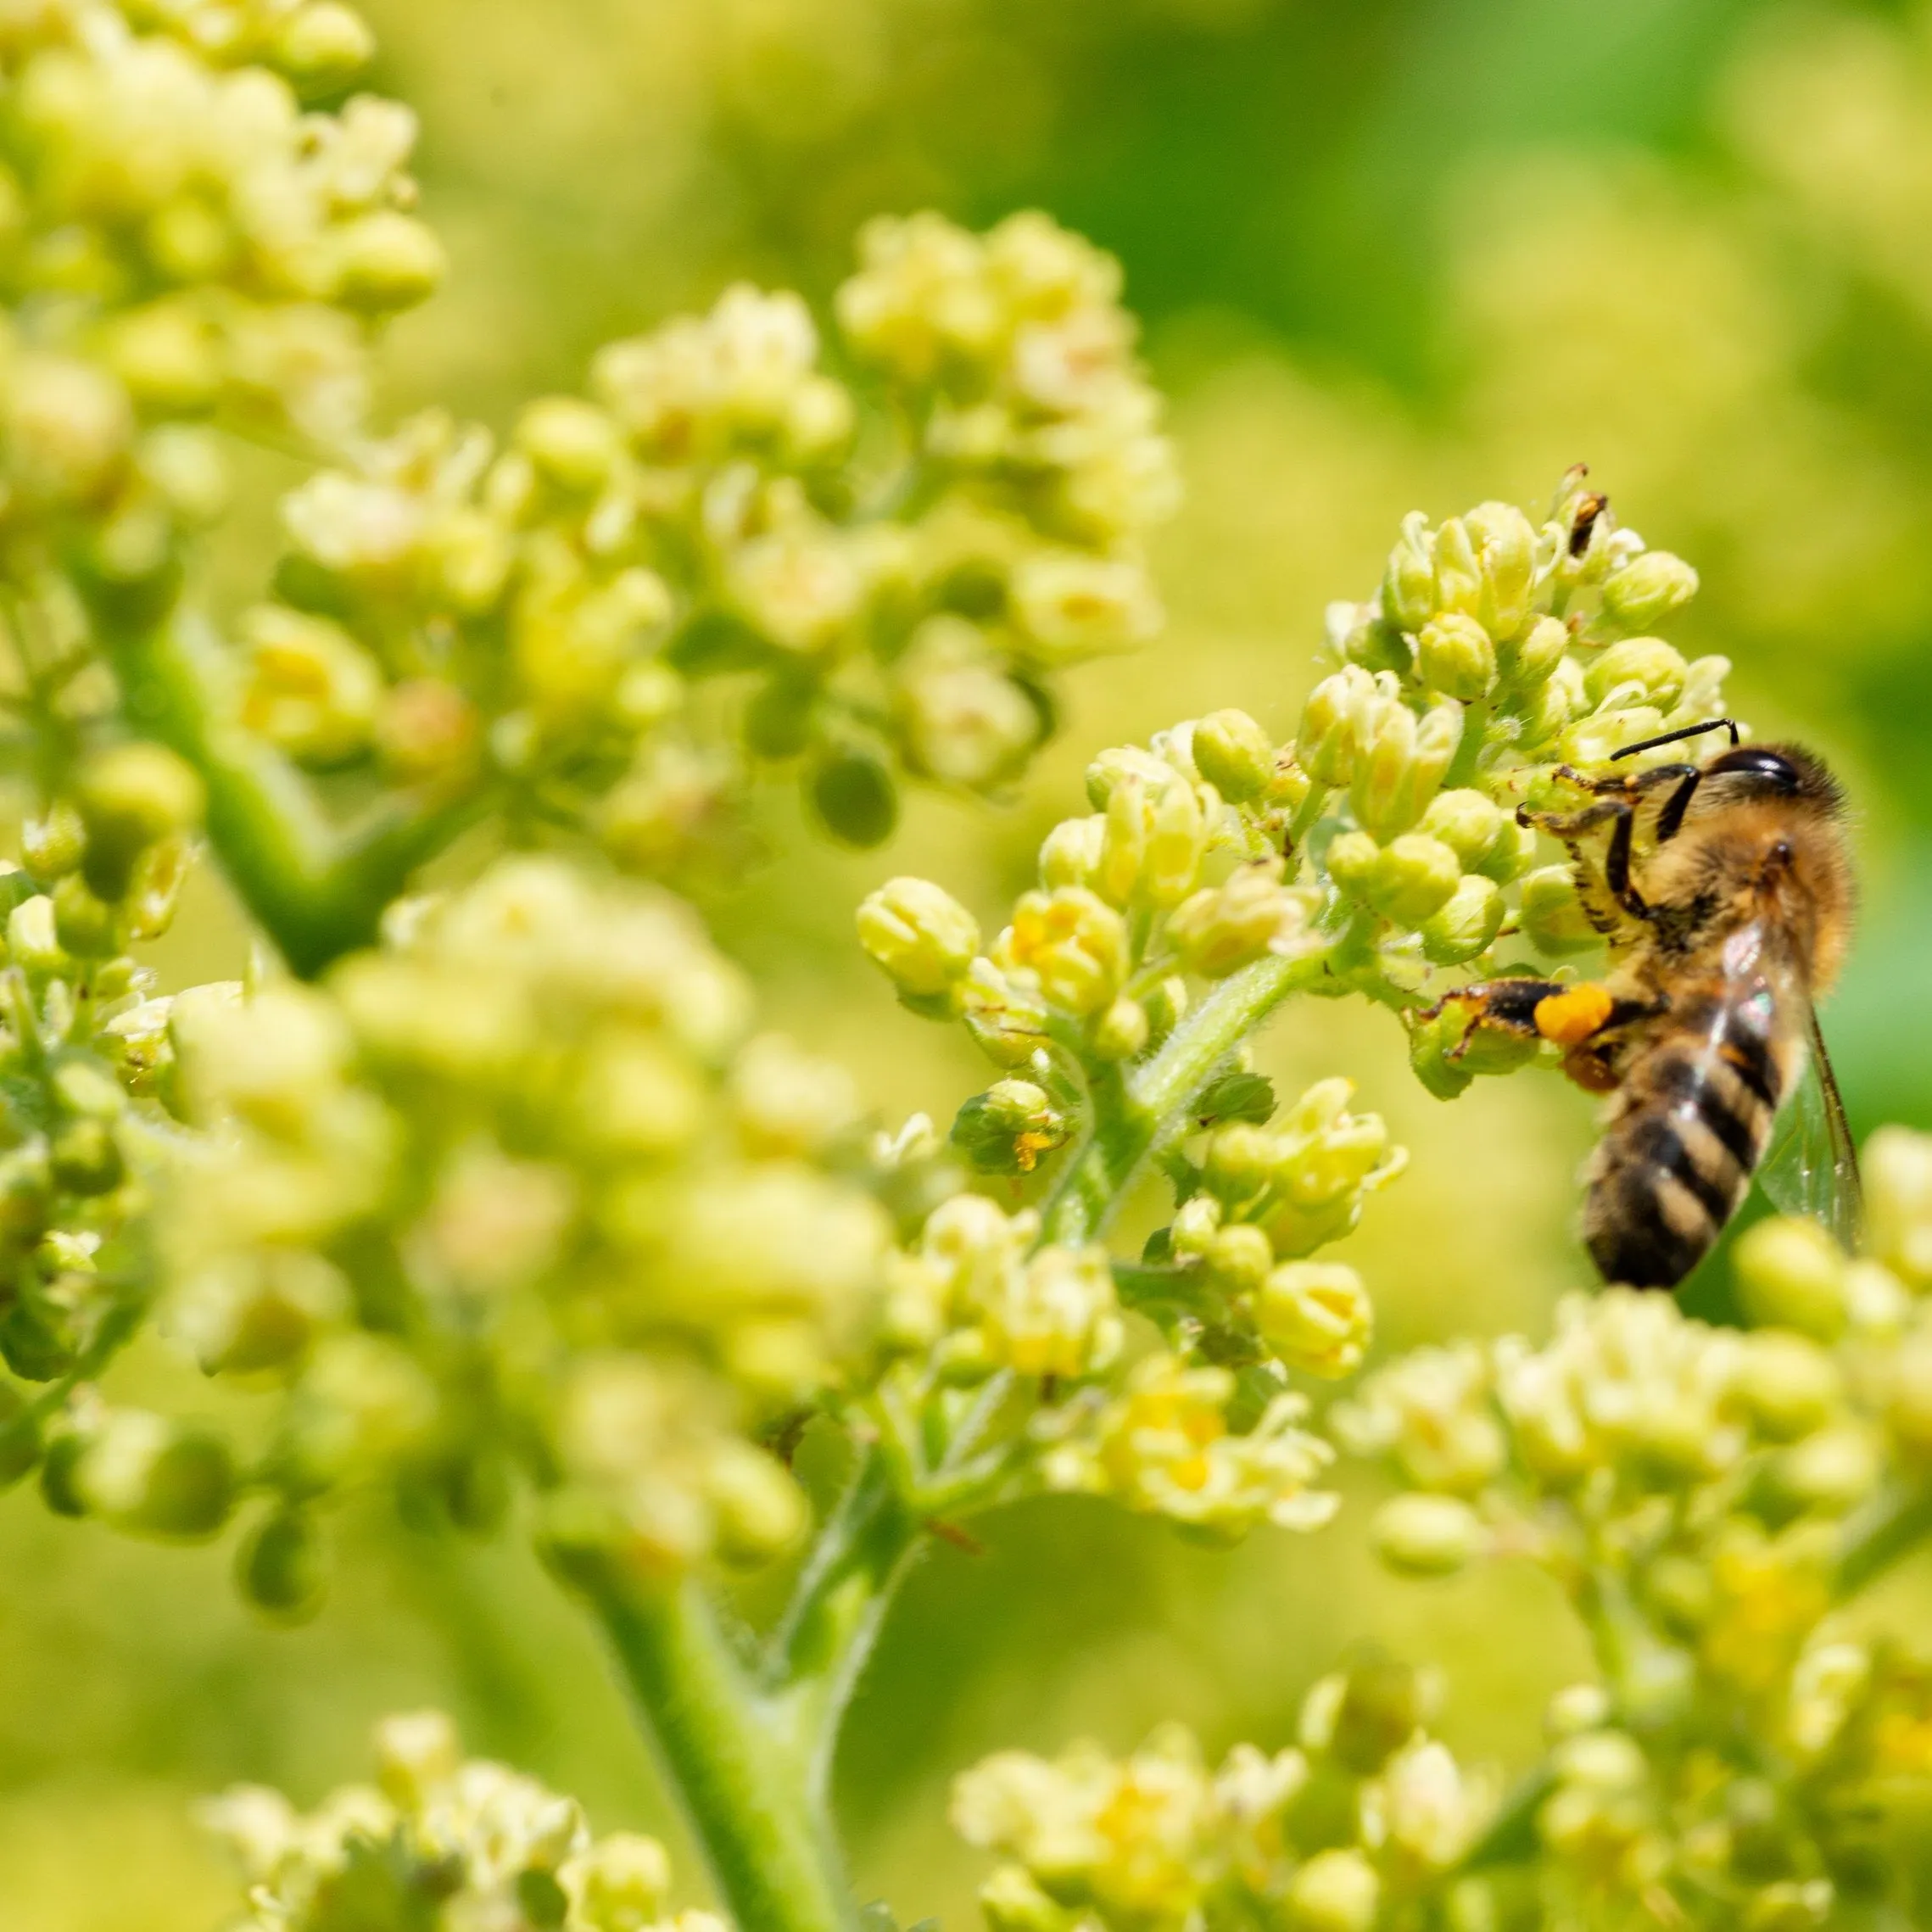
pixel 1575 1017
pixel 1504 1006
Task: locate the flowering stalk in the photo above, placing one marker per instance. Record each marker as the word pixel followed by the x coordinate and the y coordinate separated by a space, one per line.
pixel 1156 1102
pixel 732 1751
pixel 317 892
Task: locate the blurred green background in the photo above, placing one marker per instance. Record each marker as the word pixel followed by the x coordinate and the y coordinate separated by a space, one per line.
pixel 1403 254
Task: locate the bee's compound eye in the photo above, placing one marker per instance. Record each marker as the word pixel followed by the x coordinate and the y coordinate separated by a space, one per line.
pixel 1771 769
pixel 1781 852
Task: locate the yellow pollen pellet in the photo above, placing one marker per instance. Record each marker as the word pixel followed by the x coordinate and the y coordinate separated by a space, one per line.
pixel 1570 1018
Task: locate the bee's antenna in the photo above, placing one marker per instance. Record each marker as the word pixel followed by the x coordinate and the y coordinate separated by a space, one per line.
pixel 1729 724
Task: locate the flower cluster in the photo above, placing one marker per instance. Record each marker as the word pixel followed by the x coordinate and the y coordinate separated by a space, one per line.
pixel 84 1133
pixel 1368 1817
pixel 520 1177
pixel 528 622
pixel 1706 1496
pixel 1011 1351
pixel 1496 650
pixel 184 246
pixel 1177 872
pixel 437 1844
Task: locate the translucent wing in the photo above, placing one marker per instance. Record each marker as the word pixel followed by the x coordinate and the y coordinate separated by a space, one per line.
pixel 1812 1167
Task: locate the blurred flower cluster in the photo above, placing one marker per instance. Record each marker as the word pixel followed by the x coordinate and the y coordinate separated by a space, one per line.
pixel 517 1187
pixel 1362 1823
pixel 85 1134
pixel 1707 1498
pixel 438 1843
pixel 183 245
pixel 863 580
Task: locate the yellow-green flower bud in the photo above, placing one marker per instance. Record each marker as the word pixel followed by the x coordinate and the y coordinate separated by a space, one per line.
pixel 1315 1315
pixel 1467 822
pixel 1239 1161
pixel 1070 854
pixel 1791 1275
pixel 1121 1031
pixel 572 442
pixel 85 1158
pixel 386 260
pixel 1124 841
pixel 1551 914
pixel 1331 725
pixel 1505 550
pixel 1531 658
pixel 1409 585
pixel 1415 876
pixel 1644 668
pixel 1459 572
pixel 33 938
pixel 1120 762
pixel 54 846
pixel 1361 633
pixel 1454 655
pixel 1223 928
pixel 1898 1197
pixel 1831 1470
pixel 323 45
pixel 1197 1221
pixel 1790 1385
pixel 282 1567
pixel 1512 855
pixel 1334 1892
pixel 1233 754
pixel 131 797
pixel 1177 841
pixel 85 923
pixel 168 355
pixel 156 1477
pixel 619 1884
pixel 1401 762
pixel 313 690
pixel 1647 589
pixel 1419 1535
pixel 1466 925
pixel 1073 942
pixel 759 1510
pixel 1352 861
pixel 919 934
pixel 68 428
pixel 1056 1315
pixel 1239 1258
pixel 417 1753
pixel 1597 738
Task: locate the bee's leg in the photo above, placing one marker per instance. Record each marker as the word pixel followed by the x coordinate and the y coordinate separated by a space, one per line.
pixel 1617 865
pixel 1670 820
pixel 1577 1016
pixel 1620 813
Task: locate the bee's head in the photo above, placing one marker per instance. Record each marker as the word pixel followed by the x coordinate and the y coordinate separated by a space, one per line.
pixel 1776 772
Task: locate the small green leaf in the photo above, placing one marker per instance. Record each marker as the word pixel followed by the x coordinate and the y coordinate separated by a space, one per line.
pixel 1235 1097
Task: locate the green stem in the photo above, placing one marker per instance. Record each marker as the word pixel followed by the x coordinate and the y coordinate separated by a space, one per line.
pixel 731 1751
pixel 317 894
pixel 1130 1123
pixel 820 1648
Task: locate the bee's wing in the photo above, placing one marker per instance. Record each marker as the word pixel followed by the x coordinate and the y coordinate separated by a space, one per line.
pixel 1811 1166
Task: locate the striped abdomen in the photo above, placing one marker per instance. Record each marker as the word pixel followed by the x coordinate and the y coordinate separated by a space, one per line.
pixel 1691 1120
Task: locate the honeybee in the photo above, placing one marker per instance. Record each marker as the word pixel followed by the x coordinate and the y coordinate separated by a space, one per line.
pixel 1704 1030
